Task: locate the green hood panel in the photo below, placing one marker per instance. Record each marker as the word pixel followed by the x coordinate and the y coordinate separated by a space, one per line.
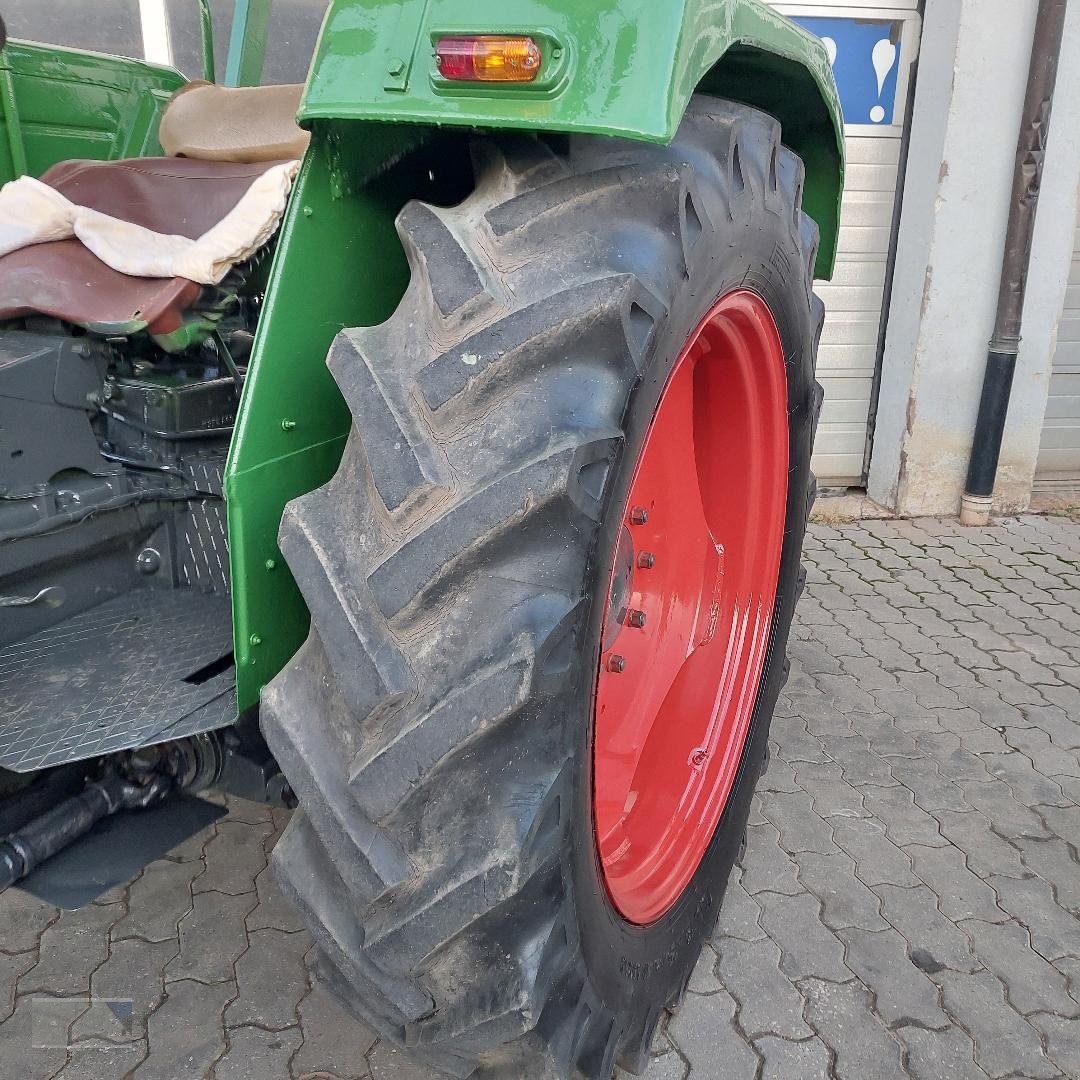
pixel 611 67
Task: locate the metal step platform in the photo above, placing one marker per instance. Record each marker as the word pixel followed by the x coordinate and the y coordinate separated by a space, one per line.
pixel 142 668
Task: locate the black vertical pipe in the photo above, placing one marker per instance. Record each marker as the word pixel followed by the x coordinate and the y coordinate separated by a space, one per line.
pixel 1027 186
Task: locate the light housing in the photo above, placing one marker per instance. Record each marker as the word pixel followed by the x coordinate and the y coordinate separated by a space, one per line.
pixel 492 58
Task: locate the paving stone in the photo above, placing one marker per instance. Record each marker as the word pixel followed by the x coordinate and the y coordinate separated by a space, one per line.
pixel 1047 758
pixel 1004 1042
pixel 995 800
pixel 953 760
pixel 134 971
pixel 778 777
pixel 962 895
pixel 808 1060
pixel 157 900
pixel 884 735
pixel 1055 933
pixel 986 852
pixel 185 1034
pixel 860 764
pixel 1063 821
pixel 705 1032
pixel 703 978
pixel 212 936
pixel 877 859
pixel 820 717
pixel 271 979
pixel 248 811
pixel 669 1067
pixel 23 918
pixel 71 948
pixel 934 942
pixel 1032 984
pixel 255 1054
pixel 800 827
pixel 795 741
pixel 1062 1041
pixel 845 900
pixel 940 1055
pixel 843 1019
pixel 273 911
pixel 905 823
pixel 1052 860
pixel 12 966
pixel 832 795
pixel 1064 730
pixel 846 693
pixel 102 1063
pixel 924 780
pixel 807 946
pixel 903 993
pixel 22 1060
pixel 765 866
pixel 768 1002
pixel 234 857
pixel 740 913
pixel 388 1063
pixel 334 1041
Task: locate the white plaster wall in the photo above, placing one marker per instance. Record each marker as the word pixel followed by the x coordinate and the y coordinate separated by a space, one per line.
pixel 972 79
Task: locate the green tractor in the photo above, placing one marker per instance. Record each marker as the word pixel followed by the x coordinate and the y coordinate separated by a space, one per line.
pixel 459 504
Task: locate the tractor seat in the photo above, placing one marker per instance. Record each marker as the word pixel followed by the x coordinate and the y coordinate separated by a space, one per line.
pixel 64 279
pixel 220 140
pixel 234 123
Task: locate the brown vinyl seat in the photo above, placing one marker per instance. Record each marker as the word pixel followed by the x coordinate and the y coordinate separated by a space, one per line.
pixel 221 139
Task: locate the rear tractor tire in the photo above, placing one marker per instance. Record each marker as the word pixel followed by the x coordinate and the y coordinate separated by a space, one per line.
pixel 551 586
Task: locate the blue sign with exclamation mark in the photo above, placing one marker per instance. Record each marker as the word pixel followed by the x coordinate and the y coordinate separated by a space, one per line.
pixel 865 55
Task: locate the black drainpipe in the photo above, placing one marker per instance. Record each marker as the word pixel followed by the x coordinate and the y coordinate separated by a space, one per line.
pixel 1027 184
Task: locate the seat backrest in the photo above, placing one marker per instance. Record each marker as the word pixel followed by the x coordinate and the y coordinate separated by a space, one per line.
pixel 234 123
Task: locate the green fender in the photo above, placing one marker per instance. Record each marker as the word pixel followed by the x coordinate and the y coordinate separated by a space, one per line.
pixel 611 67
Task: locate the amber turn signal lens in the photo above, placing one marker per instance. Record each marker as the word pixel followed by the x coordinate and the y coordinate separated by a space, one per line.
pixel 488 58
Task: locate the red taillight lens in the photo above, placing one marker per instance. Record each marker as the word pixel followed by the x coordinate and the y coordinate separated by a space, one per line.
pixel 488 58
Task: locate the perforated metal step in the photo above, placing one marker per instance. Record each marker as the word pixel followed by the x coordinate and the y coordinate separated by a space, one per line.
pixel 141 668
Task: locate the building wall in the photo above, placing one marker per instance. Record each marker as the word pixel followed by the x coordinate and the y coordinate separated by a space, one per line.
pixel 971 85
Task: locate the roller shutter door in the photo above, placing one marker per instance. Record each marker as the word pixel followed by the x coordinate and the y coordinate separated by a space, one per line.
pixel 874 81
pixel 1059 455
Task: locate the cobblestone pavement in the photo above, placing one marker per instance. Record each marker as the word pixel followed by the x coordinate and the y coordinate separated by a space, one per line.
pixel 906 906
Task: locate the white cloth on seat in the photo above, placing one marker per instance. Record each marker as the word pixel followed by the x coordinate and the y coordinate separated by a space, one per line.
pixel 34 213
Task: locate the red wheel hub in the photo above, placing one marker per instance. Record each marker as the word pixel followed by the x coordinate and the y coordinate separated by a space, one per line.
pixel 690 607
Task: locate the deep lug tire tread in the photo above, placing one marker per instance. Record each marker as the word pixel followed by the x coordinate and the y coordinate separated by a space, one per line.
pixel 420 724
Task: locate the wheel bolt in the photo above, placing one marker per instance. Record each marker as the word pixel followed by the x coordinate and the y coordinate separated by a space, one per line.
pixel 646 560
pixel 639 515
pixel 636 619
pixel 616 664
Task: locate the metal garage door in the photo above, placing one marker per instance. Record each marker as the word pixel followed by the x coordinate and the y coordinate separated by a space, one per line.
pixel 874 47
pixel 1059 455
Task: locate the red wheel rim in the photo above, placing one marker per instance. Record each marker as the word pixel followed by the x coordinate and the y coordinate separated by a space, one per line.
pixel 690 607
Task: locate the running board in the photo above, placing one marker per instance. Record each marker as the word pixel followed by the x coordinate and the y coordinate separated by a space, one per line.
pixel 142 668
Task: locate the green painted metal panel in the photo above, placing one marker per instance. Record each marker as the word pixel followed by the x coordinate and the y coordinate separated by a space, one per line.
pixel 59 104
pixel 339 263
pixel 247 43
pixel 206 34
pixel 612 67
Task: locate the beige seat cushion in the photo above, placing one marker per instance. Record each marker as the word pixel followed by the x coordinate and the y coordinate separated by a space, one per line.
pixel 243 123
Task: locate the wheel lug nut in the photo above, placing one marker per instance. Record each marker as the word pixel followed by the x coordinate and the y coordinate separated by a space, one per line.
pixel 636 619
pixel 616 664
pixel 639 515
pixel 646 560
